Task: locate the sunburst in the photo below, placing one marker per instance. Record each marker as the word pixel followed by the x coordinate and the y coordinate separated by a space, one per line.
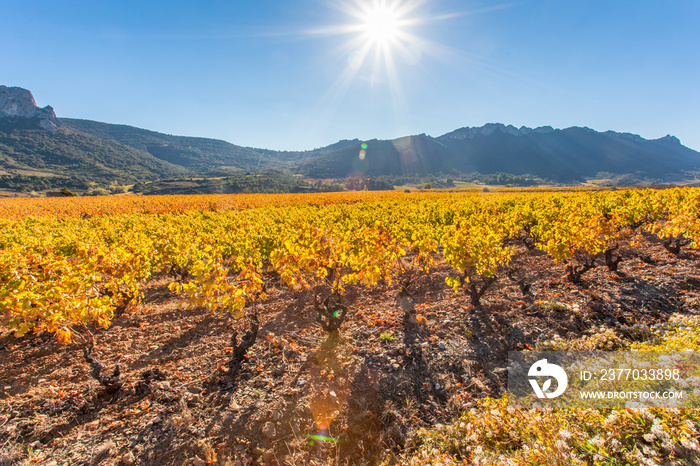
pixel 382 41
pixel 382 30
pixel 382 24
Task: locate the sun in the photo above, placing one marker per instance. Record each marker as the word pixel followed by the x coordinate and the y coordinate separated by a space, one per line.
pixel 382 44
pixel 381 24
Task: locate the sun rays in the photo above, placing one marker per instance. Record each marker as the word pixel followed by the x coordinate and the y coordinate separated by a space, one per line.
pixel 380 45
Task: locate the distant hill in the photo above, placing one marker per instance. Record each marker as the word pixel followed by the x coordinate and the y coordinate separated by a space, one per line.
pixel 200 155
pixel 29 152
pixel 37 151
pixel 40 151
pixel 565 155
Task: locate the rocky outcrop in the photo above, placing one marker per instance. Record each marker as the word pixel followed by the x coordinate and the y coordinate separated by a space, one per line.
pixel 16 102
pixel 490 128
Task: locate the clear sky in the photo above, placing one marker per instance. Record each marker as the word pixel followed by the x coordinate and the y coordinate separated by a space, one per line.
pixel 286 74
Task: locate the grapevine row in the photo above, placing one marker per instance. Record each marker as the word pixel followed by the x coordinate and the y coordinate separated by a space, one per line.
pixel 62 271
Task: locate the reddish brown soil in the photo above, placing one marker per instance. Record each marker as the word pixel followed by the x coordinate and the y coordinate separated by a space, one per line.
pixel 302 396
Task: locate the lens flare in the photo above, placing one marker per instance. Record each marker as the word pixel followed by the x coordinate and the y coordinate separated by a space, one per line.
pixel 321 438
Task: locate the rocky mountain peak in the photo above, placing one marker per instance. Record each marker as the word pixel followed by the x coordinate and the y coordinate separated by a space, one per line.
pixel 16 102
pixel 670 139
pixel 490 128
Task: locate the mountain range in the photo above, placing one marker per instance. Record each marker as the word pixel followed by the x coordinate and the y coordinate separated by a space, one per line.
pixel 39 149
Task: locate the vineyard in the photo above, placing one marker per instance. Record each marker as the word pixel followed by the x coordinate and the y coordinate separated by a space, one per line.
pixel 342 328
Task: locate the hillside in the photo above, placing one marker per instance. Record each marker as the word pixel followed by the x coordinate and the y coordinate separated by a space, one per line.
pixel 566 155
pixel 48 158
pixel 39 151
pixel 200 155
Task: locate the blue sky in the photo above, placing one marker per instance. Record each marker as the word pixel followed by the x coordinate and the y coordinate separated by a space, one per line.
pixel 288 74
